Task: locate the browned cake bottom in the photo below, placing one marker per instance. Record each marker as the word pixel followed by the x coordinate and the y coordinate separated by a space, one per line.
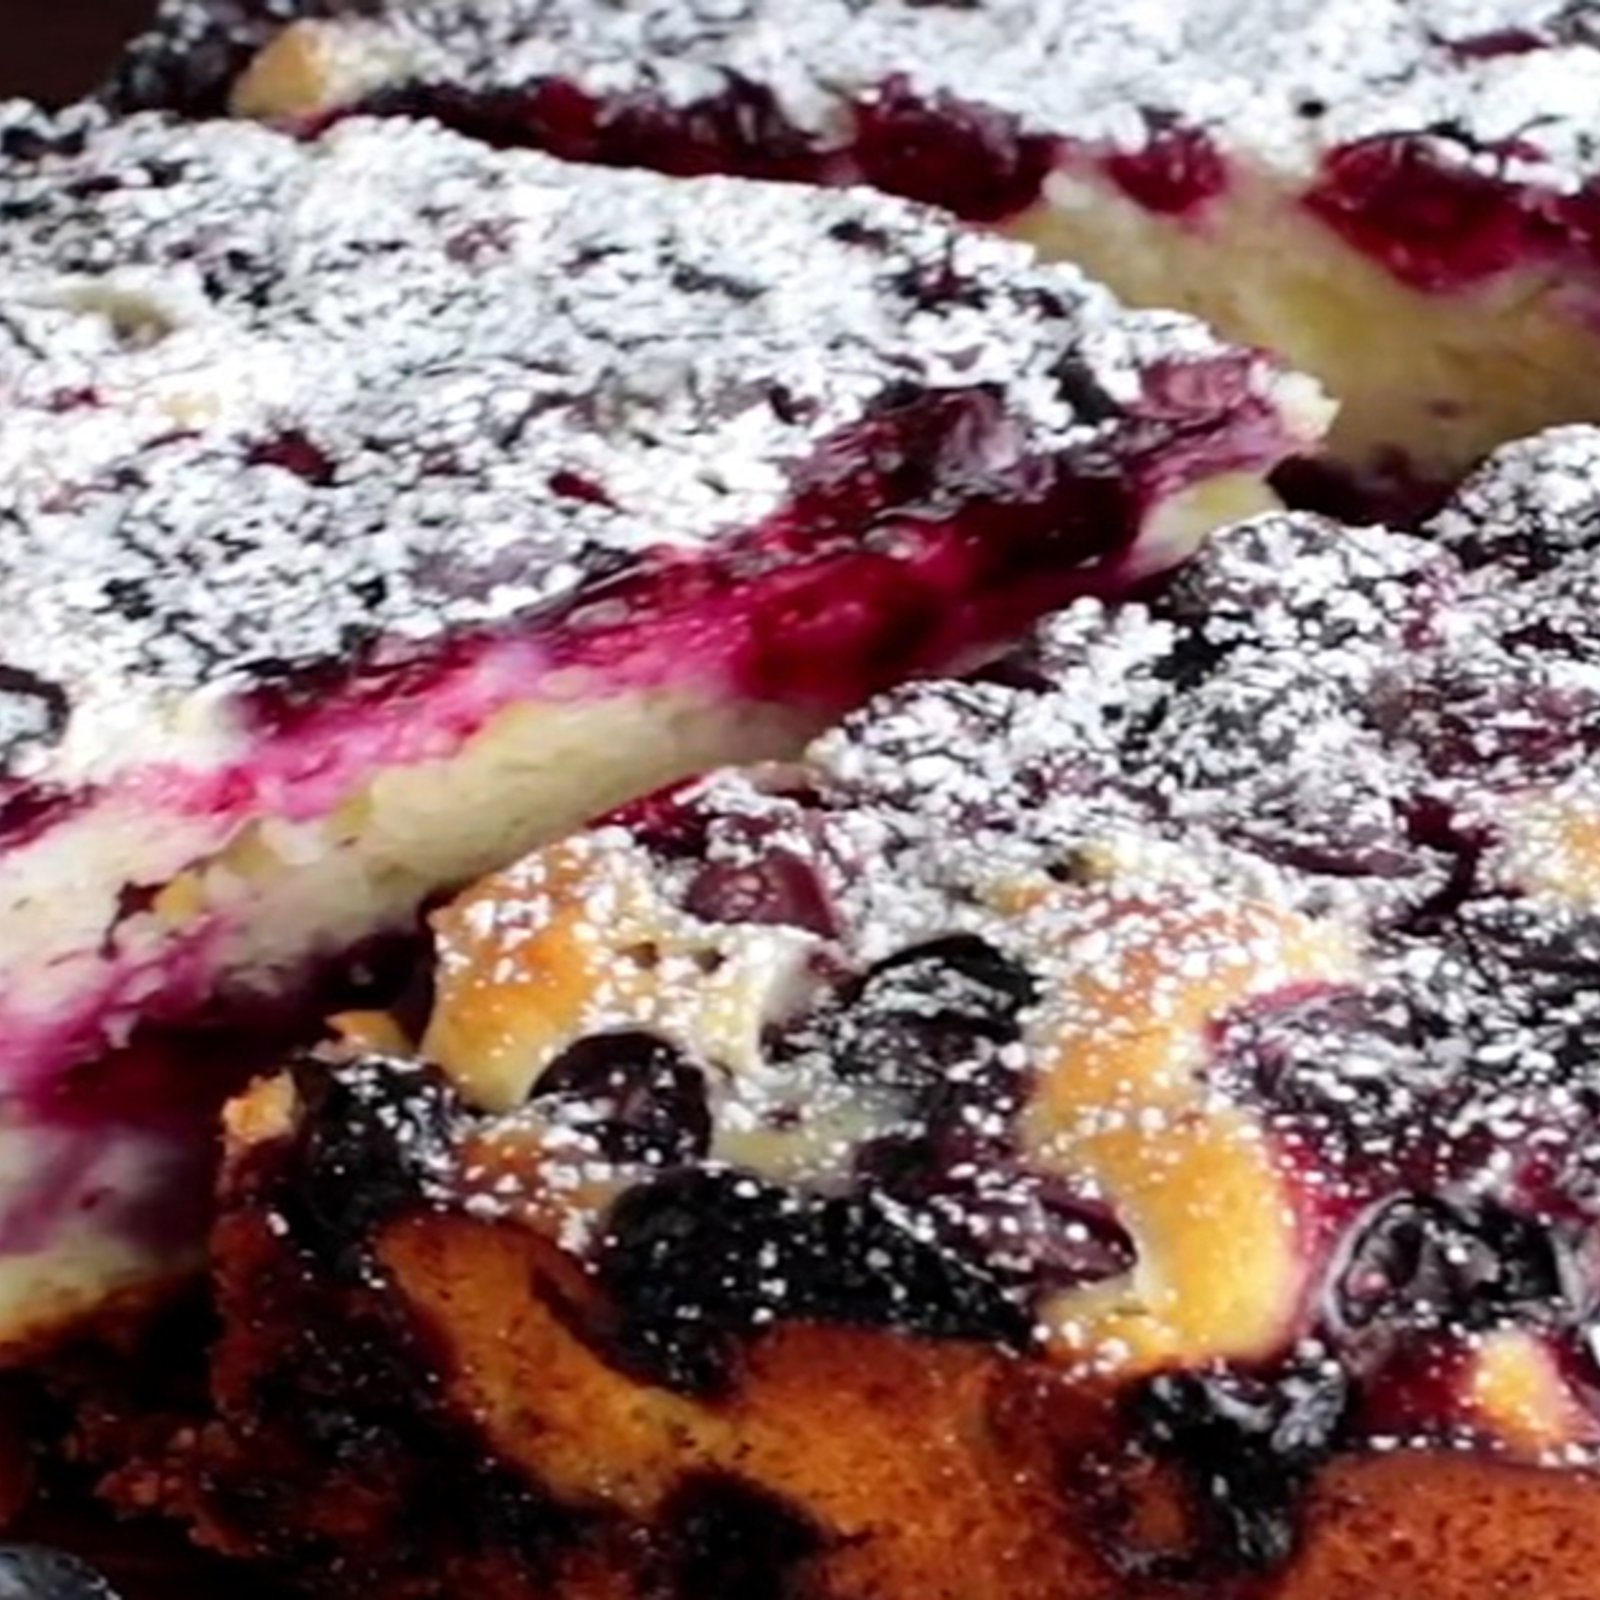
pixel 118 1389
pixel 463 1432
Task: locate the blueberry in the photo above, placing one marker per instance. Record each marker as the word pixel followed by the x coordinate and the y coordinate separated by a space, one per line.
pixel 923 1013
pixel 1423 1262
pixel 373 1129
pixel 700 1258
pixel 779 887
pixel 1026 1227
pixel 1246 1445
pixel 635 1095
pixel 30 1572
pixel 960 981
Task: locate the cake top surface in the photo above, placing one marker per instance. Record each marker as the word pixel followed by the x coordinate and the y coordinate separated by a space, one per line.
pixel 268 399
pixel 1502 84
pixel 1215 979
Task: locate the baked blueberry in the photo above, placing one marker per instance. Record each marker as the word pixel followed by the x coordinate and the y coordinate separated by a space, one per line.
pixel 634 1095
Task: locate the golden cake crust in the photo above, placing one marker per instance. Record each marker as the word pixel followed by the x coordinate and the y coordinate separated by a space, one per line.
pixel 940 1471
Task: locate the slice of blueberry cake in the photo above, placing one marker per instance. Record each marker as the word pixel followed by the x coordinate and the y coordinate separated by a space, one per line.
pixel 376 506
pixel 1123 1124
pixel 1401 195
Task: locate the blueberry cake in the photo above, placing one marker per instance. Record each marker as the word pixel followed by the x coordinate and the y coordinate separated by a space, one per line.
pixel 1403 196
pixel 378 505
pixel 1123 1123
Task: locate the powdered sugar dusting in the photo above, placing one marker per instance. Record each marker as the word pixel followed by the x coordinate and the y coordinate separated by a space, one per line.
pixel 1492 84
pixel 1290 877
pixel 268 401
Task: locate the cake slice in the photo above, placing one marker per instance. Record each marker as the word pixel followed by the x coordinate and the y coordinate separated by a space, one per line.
pixel 378 505
pixel 1398 195
pixel 1120 1124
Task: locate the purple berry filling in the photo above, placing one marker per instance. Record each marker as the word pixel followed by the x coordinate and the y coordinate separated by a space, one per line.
pixel 1438 226
pixel 1444 227
pixel 1176 174
pixel 953 579
pixel 971 159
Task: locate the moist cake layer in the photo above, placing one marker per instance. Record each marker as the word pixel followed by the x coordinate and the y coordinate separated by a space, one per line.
pixel 374 506
pixel 1399 194
pixel 1119 1124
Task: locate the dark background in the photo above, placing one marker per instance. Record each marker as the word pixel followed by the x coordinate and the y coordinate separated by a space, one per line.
pixel 56 49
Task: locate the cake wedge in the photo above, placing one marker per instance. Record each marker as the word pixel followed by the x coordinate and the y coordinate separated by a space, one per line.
pixel 1121 1124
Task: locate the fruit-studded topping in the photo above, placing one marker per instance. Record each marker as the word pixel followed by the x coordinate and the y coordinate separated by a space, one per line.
pixel 214 416
pixel 699 1257
pixel 1247 1444
pixel 1212 986
pixel 970 102
pixel 1430 1263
